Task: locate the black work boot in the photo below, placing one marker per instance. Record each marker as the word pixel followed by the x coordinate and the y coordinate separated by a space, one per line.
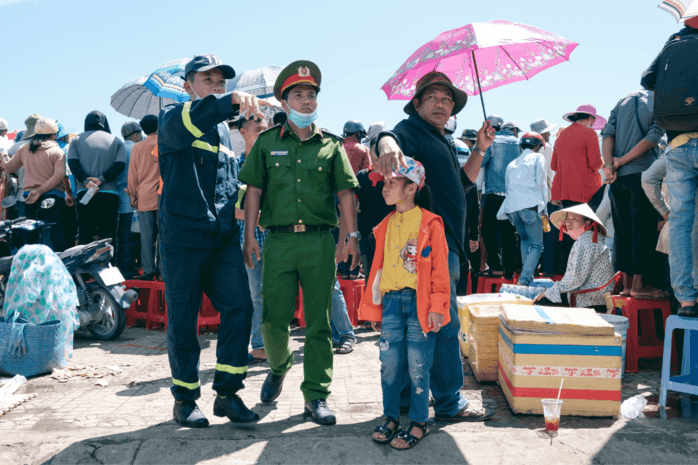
pixel 271 389
pixel 188 414
pixel 319 412
pixel 234 408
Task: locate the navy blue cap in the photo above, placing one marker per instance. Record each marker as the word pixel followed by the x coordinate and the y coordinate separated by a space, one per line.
pixel 469 134
pixel 201 63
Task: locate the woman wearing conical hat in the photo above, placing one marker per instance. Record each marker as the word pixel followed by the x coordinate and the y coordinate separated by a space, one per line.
pixel 589 265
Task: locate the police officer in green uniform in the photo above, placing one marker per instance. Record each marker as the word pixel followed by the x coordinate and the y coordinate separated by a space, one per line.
pixel 293 170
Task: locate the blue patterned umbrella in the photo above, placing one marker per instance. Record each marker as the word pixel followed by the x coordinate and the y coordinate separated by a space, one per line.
pixel 168 81
pixel 135 100
pixel 258 82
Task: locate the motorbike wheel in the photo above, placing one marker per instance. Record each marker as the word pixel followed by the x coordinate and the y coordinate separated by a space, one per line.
pixel 115 322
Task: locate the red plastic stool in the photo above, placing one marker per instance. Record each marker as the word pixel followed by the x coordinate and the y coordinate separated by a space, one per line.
pixel 353 290
pixel 149 305
pixel 157 308
pixel 488 285
pixel 640 313
pixel 557 277
pixel 208 316
pixel 469 286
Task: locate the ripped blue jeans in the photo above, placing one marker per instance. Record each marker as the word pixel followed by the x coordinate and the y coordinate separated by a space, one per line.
pixel 402 338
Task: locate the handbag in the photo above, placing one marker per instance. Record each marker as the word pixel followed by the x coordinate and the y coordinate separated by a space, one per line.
pixel 28 349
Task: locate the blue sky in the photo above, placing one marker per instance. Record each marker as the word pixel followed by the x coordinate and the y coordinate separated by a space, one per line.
pixel 69 57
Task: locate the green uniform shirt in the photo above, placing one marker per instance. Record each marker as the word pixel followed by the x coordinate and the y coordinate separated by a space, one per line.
pixel 298 178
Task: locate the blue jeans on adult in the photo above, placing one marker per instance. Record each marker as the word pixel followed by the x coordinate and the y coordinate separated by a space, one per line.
pixel 405 349
pixel 550 240
pixel 254 275
pixel 342 329
pixel 682 181
pixel 530 229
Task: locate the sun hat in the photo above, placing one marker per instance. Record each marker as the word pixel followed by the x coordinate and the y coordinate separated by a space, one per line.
pixel 433 78
pixel 692 22
pixel 30 122
pixel 558 217
pixel 541 126
pixel 45 126
pixel 3 125
pixel 510 125
pixel 414 172
pixel 589 110
pixel 375 128
pixel 202 63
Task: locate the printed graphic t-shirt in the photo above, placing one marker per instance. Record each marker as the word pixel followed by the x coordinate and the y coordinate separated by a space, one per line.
pixel 400 253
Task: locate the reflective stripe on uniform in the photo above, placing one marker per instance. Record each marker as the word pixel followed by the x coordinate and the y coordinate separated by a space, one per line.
pixel 187 121
pixel 199 144
pixel 190 386
pixel 231 369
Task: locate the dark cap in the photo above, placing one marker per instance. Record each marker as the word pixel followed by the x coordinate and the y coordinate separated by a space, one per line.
pixel 128 129
pixel 298 72
pixel 469 134
pixel 433 78
pixel 201 63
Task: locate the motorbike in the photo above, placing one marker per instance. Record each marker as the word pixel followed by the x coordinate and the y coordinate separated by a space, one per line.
pixel 102 298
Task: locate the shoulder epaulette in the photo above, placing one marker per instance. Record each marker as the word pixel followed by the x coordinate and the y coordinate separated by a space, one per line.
pixel 325 131
pixel 278 126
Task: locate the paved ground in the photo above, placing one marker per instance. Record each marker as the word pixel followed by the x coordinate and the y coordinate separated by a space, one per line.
pixel 130 420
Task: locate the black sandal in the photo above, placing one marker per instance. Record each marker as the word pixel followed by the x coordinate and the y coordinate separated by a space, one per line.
pixel 408 438
pixel 386 431
pixel 345 347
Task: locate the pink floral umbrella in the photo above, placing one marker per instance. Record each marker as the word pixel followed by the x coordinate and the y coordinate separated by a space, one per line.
pixel 481 56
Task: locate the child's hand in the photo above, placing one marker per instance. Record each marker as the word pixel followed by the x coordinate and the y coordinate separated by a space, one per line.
pixel 376 325
pixel 435 321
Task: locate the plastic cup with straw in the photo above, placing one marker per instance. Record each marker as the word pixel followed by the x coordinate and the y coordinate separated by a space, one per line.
pixel 551 412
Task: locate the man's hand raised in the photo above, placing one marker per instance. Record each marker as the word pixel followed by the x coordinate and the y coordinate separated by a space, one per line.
pixel 249 104
pixel 390 158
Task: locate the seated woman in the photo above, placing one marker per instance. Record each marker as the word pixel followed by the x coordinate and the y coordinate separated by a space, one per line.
pixel 589 265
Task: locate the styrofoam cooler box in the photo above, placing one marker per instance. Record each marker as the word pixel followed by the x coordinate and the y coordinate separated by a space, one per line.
pixel 539 346
pixel 464 302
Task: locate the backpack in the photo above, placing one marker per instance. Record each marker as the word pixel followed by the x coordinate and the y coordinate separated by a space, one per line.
pixel 676 89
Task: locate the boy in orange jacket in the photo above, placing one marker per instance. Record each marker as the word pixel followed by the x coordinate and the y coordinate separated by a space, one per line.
pixel 407 299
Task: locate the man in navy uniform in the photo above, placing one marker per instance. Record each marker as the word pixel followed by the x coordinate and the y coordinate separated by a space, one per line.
pixel 200 239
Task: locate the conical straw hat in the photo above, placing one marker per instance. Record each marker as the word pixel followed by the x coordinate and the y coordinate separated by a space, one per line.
pixel 559 216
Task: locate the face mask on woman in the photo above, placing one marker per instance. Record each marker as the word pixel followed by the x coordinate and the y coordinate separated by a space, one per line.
pixel 575 233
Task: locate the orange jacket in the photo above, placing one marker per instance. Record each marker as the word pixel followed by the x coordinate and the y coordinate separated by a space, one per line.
pixel 433 281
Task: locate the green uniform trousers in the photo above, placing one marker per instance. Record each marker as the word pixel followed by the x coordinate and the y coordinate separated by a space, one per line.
pixel 287 259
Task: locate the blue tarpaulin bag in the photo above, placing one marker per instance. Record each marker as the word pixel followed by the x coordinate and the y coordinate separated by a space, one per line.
pixel 27 349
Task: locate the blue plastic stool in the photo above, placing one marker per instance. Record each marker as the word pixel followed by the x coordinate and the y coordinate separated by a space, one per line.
pixel 688 380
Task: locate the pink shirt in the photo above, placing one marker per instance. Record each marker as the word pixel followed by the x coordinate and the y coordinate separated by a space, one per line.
pixel 44 169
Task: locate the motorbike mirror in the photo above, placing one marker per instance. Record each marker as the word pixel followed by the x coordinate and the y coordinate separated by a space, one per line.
pixel 8 201
pixel 47 203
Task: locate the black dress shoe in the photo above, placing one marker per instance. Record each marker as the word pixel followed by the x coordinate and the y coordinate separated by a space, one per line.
pixel 188 414
pixel 319 412
pixel 272 387
pixel 234 408
pixel 691 311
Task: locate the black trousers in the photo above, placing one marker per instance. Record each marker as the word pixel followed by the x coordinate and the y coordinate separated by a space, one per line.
pixel 499 237
pixel 55 236
pixel 635 222
pixel 221 274
pixel 99 218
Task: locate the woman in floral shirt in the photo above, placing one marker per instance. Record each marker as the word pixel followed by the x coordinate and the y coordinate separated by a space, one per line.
pixel 589 265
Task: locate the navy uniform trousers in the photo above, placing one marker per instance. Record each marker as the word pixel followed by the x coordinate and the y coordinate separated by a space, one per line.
pixel 221 274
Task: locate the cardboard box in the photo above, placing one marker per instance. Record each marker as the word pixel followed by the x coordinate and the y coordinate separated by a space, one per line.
pixel 464 302
pixel 532 363
pixel 483 338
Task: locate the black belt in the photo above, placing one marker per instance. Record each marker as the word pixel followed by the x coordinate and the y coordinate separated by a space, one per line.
pixel 296 228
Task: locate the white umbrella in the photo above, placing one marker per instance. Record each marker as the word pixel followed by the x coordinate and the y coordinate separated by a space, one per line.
pixel 135 101
pixel 680 9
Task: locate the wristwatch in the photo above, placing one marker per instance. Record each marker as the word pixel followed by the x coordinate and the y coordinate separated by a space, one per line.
pixel 478 150
pixel 355 234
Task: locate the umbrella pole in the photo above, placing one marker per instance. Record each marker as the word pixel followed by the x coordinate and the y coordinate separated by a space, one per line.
pixel 477 75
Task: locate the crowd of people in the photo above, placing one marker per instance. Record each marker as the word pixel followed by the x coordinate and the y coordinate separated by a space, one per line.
pixel 414 209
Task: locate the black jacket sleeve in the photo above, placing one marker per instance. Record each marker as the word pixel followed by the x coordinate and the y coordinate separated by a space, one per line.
pixel 472 218
pixel 113 171
pixel 76 169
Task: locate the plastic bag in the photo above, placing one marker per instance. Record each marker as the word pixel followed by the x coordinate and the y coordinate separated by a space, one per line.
pixel 135 223
pixel 633 407
pixel 530 292
pixel 40 289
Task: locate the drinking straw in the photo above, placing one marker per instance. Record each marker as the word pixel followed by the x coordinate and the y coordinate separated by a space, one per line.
pixel 560 391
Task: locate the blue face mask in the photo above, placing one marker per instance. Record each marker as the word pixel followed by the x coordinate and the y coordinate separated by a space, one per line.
pixel 302 120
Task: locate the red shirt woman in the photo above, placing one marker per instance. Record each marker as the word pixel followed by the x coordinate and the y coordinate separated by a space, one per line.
pixel 577 157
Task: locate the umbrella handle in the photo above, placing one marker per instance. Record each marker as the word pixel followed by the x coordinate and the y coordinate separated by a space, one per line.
pixel 477 74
